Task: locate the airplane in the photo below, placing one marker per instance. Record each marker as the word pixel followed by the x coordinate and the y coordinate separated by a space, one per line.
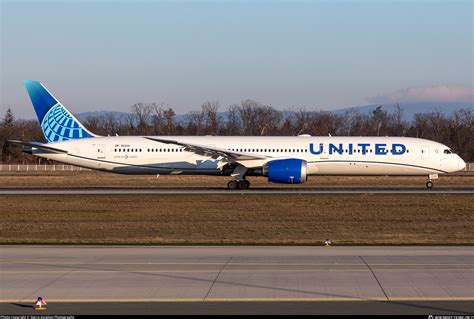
pixel 282 159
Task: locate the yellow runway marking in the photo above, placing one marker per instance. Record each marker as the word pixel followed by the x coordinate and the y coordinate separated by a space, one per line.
pixel 225 270
pixel 245 299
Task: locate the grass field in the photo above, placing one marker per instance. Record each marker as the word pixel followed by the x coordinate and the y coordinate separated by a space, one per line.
pixel 100 179
pixel 250 219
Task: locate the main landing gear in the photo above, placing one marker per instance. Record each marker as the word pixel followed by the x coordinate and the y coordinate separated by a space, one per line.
pixel 429 183
pixel 235 184
pixel 239 181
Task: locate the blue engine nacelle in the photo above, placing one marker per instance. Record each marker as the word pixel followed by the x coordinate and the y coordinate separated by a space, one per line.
pixel 286 171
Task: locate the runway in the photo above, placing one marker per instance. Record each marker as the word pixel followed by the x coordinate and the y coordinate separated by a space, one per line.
pixel 222 279
pixel 223 191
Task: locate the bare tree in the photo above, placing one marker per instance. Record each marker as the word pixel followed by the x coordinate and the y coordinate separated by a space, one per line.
pixel 212 120
pixel 301 119
pixel 234 123
pixel 142 113
pixel 194 123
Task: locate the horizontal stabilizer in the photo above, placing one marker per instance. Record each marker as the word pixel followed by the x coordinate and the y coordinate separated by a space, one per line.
pixel 39 146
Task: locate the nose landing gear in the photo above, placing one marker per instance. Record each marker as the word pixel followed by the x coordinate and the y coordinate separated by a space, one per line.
pixel 429 183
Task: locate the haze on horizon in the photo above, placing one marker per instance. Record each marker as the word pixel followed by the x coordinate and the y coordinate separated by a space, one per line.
pixel 108 55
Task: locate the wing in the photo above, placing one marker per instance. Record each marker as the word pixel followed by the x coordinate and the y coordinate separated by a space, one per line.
pixel 211 151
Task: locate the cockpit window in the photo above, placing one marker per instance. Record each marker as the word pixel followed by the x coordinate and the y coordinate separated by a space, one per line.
pixel 448 151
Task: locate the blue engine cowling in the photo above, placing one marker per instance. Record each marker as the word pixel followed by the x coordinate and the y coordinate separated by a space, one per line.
pixel 286 171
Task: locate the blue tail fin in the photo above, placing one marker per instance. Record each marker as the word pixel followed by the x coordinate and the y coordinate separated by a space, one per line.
pixel 57 123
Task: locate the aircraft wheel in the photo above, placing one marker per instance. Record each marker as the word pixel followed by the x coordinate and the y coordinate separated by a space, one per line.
pixel 243 184
pixel 232 185
pixel 429 184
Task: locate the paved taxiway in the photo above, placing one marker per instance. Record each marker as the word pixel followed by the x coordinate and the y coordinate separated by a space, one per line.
pixel 365 279
pixel 222 191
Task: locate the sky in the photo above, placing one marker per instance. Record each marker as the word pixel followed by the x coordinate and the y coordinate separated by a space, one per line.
pixel 108 55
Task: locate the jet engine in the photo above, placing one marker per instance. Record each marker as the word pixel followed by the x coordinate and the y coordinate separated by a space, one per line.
pixel 286 171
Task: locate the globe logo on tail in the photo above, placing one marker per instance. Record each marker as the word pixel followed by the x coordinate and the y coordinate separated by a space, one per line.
pixel 58 125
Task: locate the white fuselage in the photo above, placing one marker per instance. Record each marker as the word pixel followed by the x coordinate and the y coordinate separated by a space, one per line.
pixel 324 155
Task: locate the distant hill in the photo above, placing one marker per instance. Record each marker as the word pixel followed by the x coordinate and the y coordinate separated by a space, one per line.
pixel 409 110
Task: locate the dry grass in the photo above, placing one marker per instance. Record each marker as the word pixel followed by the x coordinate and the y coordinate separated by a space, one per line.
pixel 253 219
pixel 100 179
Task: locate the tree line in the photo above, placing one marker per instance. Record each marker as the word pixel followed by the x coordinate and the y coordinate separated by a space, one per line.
pixel 254 118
